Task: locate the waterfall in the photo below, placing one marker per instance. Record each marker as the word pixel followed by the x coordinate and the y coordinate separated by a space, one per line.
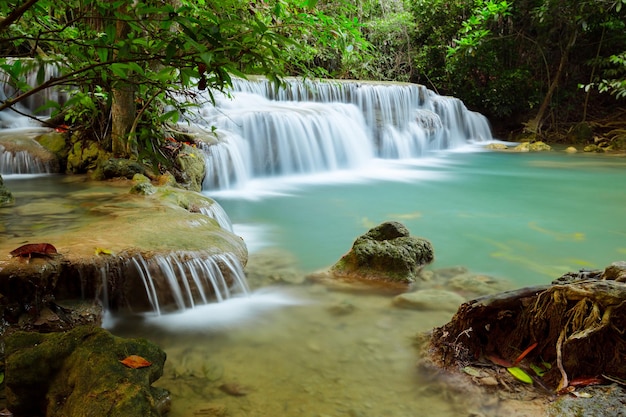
pixel 39 71
pixel 217 213
pixel 310 127
pixel 185 279
pixel 16 161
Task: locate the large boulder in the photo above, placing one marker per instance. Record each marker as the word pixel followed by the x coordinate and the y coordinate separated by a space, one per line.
pixel 80 373
pixel 385 253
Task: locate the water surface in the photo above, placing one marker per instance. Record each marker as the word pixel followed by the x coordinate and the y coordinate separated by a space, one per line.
pixel 306 350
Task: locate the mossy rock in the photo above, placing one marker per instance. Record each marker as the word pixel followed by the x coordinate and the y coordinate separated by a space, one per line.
pixel 56 143
pixel 122 168
pixel 79 373
pixel 85 156
pixel 497 147
pixel 532 147
pixel 191 162
pixel 386 253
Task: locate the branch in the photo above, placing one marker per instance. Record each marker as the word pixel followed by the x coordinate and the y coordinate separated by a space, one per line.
pixel 16 14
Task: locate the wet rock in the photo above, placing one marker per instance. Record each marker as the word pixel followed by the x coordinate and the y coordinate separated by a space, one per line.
pixel 429 299
pixel 497 146
pixel 174 231
pixel 56 143
pixel 122 168
pixel 273 266
pixel 143 188
pixel 84 156
pixel 476 284
pixel 79 373
pixel 571 149
pixel 532 147
pixel 192 167
pixel 385 253
pixel 342 308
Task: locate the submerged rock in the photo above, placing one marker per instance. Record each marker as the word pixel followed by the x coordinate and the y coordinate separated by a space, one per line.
pixel 429 299
pixel 79 373
pixel 385 253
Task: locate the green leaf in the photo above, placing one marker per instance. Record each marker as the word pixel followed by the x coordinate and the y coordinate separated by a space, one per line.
pixel 135 67
pixel 520 374
pixel 50 104
pixel 538 370
pixel 41 74
pixel 103 54
pixel 119 69
pixel 172 115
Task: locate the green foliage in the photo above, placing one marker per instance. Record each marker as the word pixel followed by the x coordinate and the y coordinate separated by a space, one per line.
pixel 161 52
pixel 391 35
pixel 477 27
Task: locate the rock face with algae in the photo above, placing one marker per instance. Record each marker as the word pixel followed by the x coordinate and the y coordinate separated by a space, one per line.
pixel 385 253
pixel 80 373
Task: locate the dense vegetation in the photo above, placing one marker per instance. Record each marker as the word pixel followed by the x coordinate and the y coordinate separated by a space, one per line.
pixel 538 64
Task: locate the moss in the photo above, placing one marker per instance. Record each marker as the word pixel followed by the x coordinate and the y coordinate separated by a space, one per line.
pixel 54 374
pixel 55 143
pixel 387 253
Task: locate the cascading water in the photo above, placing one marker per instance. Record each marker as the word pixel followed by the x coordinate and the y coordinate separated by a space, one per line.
pixel 311 127
pixel 22 162
pixel 189 279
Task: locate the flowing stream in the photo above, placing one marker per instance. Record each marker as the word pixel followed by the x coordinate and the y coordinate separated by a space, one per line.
pixel 305 350
pixel 297 348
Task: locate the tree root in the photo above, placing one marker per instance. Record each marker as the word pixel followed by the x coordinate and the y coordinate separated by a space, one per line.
pixel 577 322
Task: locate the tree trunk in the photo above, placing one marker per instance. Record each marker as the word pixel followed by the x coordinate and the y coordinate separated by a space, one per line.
pixel 534 126
pixel 122 115
pixel 122 108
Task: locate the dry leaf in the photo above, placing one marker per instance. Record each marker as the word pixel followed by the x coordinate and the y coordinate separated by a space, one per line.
pixel 134 361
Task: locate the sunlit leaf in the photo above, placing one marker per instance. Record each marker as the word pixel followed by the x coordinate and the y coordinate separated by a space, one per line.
pixel 520 374
pixel 135 361
pixel 102 251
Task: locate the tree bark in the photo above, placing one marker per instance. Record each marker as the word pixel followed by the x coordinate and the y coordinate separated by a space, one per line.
pixel 122 108
pixel 534 126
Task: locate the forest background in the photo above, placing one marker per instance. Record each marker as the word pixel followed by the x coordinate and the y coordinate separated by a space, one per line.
pixel 537 67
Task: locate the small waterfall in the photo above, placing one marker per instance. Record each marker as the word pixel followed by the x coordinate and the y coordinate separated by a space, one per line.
pixel 39 71
pixel 310 127
pixel 186 280
pixel 23 162
pixel 217 213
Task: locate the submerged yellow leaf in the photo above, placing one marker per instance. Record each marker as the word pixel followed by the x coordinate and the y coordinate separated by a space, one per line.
pixel 101 251
pixel 520 374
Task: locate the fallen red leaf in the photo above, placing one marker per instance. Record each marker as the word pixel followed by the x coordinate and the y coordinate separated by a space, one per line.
pixel 30 249
pixel 135 361
pixel 585 381
pixel 499 361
